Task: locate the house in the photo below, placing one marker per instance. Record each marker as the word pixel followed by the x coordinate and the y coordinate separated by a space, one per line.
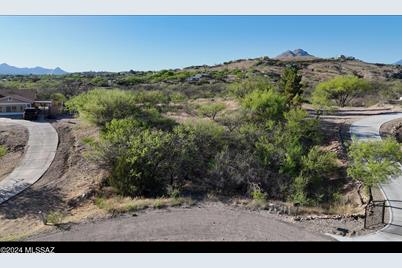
pixel 198 77
pixel 13 102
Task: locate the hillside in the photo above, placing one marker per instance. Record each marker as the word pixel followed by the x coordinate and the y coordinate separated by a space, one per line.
pixel 314 70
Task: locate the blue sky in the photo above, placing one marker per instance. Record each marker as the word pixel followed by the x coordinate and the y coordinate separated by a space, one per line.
pixel 118 43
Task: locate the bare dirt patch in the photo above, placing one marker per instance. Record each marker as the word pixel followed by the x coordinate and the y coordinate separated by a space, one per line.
pixel 68 182
pixel 14 139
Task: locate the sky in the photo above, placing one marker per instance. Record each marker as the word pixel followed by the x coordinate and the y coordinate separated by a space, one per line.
pixel 121 43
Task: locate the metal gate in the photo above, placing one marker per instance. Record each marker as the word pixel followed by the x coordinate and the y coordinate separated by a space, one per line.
pixel 375 214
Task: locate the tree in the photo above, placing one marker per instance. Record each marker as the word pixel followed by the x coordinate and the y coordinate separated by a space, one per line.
pixel 290 85
pixel 374 162
pixel 340 90
pixel 211 110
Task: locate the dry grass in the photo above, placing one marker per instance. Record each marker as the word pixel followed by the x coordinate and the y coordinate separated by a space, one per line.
pixel 118 204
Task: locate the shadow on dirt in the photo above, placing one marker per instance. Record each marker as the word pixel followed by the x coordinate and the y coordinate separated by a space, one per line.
pixel 32 202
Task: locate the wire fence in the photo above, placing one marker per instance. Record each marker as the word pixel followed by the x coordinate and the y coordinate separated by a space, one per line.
pixel 375 214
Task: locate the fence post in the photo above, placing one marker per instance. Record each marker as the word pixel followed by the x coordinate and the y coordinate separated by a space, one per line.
pixel 365 217
pixel 383 212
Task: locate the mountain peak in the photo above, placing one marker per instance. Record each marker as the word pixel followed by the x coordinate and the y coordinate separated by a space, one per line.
pixel 398 62
pixel 6 69
pixel 293 54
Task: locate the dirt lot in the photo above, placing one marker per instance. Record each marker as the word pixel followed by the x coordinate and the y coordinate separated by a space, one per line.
pixel 14 138
pixel 69 180
pixel 69 183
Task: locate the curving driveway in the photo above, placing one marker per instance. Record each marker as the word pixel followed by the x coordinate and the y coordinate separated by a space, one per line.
pixel 369 129
pixel 39 154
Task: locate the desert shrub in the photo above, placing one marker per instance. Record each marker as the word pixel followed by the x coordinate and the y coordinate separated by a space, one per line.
pixel 100 106
pixel 257 193
pixel 54 218
pixel 312 184
pixel 211 110
pixel 3 151
pixel 141 169
pixel 232 120
pixel 245 87
pixel 195 146
pixel 233 171
pixel 146 161
pixel 265 105
pixel 289 141
pixel 152 98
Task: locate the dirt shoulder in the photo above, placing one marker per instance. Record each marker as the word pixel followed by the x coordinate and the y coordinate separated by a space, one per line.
pixel 205 222
pixel 70 180
pixel 14 139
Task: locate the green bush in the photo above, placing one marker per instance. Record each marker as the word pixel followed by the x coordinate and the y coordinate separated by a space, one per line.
pixel 340 90
pixel 3 151
pixel 100 106
pixel 311 184
pixel 245 87
pixel 373 162
pixel 265 105
pixel 54 218
pixel 142 169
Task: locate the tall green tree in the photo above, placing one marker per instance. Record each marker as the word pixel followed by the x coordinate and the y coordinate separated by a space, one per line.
pixel 374 162
pixel 340 90
pixel 291 86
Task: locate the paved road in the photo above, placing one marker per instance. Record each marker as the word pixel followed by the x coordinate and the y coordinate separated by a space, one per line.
pixel 39 154
pixel 369 129
pixel 210 222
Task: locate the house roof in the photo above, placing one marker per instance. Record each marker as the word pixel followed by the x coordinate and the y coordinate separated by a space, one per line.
pixel 17 98
pixel 25 93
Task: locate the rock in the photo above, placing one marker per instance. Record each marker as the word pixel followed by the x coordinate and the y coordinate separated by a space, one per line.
pixel 343 231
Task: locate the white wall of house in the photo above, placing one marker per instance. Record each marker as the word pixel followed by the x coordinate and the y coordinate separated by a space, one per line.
pixel 13 105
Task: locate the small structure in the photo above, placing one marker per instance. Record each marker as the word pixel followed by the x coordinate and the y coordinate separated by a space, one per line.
pixel 13 105
pixel 198 77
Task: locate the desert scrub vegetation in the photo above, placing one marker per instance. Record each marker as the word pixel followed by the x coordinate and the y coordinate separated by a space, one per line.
pixel 374 162
pixel 120 204
pixel 340 91
pixel 3 151
pixel 269 144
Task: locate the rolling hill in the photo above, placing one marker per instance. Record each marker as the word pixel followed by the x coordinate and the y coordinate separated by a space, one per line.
pixel 6 69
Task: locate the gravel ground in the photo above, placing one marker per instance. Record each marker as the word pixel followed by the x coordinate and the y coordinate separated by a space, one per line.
pixel 14 138
pixel 206 222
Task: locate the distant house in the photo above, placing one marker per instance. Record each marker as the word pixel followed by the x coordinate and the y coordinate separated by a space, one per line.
pixel 197 77
pixel 14 104
pixel 14 101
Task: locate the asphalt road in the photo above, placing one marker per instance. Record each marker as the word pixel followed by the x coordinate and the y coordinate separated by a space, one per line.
pixel 369 129
pixel 209 222
pixel 39 154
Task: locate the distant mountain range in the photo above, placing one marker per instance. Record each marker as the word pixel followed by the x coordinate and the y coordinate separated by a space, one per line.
pixel 6 69
pixel 399 62
pixel 297 53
